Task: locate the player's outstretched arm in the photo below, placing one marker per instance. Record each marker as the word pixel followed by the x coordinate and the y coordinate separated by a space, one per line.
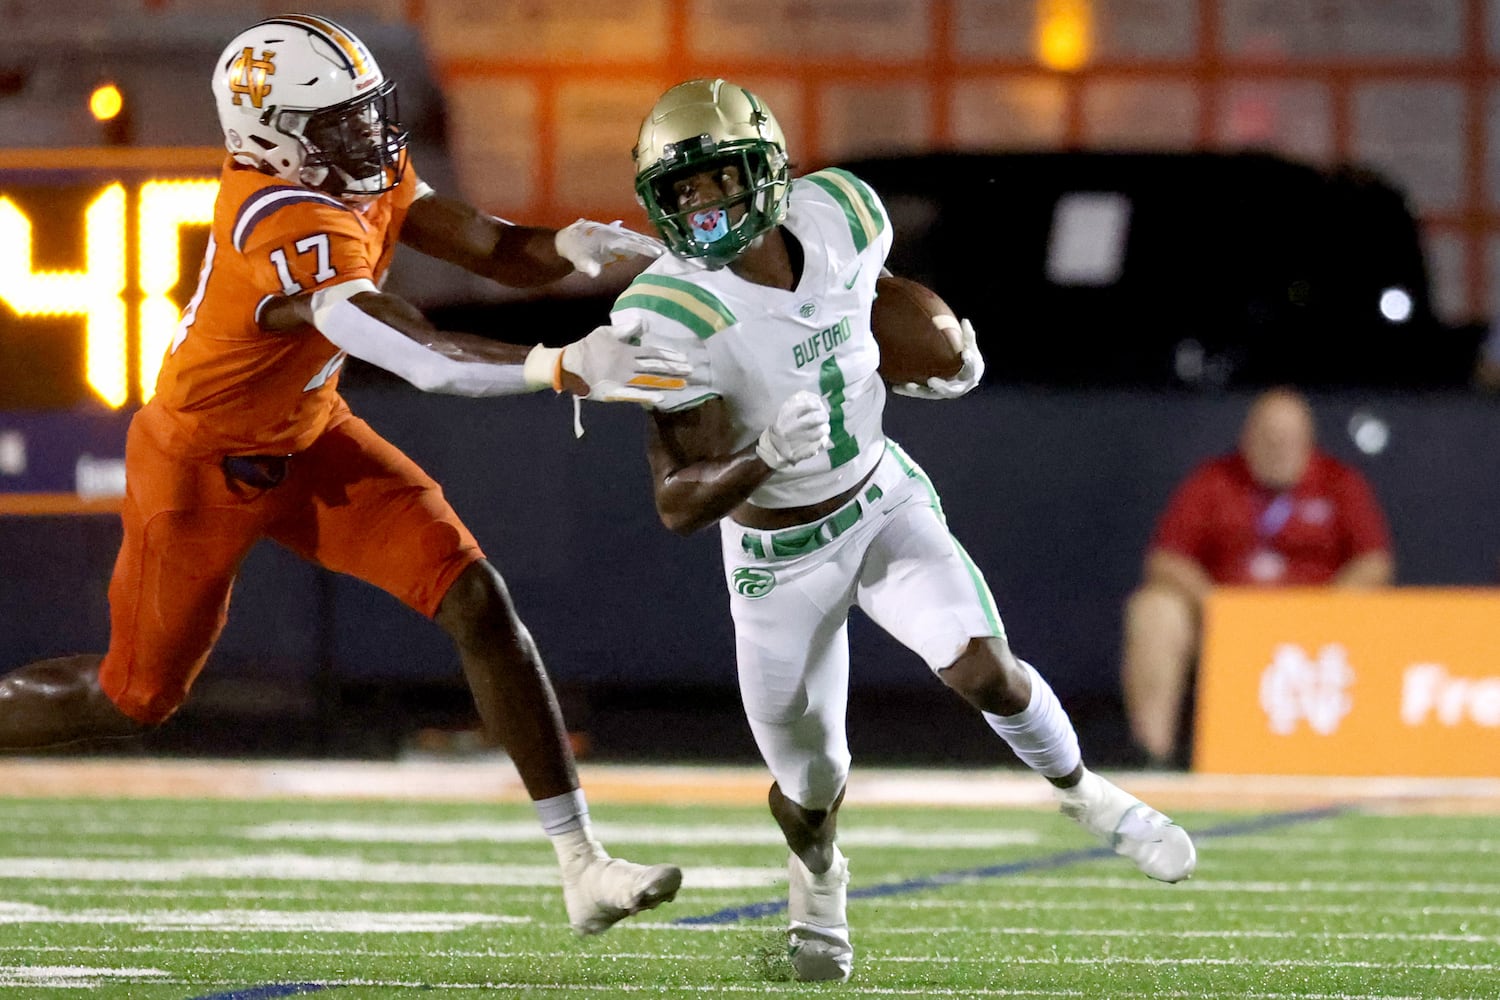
pixel 389 332
pixel 610 365
pixel 519 256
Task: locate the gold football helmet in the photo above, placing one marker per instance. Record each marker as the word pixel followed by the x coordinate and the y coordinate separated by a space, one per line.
pixel 696 126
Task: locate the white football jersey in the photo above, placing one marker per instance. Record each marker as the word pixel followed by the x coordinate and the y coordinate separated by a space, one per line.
pixel 754 346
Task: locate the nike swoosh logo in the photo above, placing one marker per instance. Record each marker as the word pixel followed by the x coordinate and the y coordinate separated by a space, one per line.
pixel 852 280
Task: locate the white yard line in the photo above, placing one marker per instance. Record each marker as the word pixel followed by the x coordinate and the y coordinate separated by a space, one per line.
pixel 67 977
pixel 326 868
pixel 675 834
pixel 1421 846
pixel 1216 886
pixel 796 989
pixel 1157 905
pixel 648 956
pixel 1098 932
pixel 258 921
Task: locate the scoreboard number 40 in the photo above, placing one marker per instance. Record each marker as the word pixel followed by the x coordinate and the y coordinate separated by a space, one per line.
pixel 98 292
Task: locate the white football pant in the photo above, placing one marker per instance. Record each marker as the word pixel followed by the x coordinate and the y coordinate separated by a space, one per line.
pixel 790 591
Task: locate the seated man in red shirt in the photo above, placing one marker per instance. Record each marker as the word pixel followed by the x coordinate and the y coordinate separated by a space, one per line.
pixel 1278 512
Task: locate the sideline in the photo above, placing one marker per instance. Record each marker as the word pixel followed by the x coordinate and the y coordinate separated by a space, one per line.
pixel 491 778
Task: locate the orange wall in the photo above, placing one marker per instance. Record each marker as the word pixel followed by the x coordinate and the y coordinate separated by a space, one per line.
pixel 547 97
pixel 1333 682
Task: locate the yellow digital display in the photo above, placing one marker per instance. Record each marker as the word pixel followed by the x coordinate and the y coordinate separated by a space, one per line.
pixel 165 208
pixel 93 246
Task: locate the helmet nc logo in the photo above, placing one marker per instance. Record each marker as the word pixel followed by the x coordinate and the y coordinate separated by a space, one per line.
pixel 250 77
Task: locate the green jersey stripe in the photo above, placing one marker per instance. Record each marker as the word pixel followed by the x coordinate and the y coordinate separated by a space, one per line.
pixel 861 210
pixel 661 284
pixel 675 303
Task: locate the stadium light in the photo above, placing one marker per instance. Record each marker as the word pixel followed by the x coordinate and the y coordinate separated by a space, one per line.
pixel 106 102
pixel 1064 33
pixel 110 109
pixel 1395 305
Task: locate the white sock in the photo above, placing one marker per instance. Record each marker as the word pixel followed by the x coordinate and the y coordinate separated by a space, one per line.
pixel 562 813
pixel 1041 734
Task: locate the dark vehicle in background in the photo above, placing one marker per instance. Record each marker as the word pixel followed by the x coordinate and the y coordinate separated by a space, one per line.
pixel 1159 269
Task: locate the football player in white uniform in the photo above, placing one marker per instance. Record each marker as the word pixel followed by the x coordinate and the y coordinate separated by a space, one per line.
pixel 767 290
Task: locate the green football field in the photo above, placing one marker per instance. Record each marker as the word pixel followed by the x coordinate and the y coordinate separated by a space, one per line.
pixel 170 899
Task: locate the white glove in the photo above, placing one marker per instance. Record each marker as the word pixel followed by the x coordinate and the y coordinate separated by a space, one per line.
pixel 614 364
pixel 799 431
pixel 967 378
pixel 589 245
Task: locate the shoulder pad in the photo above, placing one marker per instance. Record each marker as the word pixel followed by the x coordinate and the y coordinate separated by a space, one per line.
pixel 687 303
pixel 860 204
pixel 268 201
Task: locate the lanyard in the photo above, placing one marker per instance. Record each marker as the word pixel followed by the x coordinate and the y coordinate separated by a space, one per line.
pixel 1274 517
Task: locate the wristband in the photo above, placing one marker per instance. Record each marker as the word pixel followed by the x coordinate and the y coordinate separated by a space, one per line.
pixel 543 368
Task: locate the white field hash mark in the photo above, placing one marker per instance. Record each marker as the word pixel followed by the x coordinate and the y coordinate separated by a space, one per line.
pixel 350 831
pixel 319 868
pixel 249 921
pixel 73 976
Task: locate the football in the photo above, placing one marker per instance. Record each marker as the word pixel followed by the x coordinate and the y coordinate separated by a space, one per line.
pixel 917 333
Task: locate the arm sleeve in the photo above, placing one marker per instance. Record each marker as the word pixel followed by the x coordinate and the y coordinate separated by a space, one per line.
pixel 352 329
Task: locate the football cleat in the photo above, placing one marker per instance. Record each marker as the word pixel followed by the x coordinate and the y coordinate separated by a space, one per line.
pixel 1159 847
pixel 818 941
pixel 600 891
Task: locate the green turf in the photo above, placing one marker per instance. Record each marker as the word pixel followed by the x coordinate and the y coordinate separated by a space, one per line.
pixel 169 900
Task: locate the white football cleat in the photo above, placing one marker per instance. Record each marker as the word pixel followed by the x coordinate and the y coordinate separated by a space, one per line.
pixel 818 941
pixel 600 890
pixel 1159 847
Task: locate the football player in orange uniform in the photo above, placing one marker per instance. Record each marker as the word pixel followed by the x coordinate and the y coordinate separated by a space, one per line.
pixel 248 438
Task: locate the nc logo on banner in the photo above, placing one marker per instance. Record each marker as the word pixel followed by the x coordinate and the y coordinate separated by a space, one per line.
pixel 1298 688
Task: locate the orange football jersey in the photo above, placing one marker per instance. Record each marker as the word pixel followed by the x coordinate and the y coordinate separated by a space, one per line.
pixel 229 387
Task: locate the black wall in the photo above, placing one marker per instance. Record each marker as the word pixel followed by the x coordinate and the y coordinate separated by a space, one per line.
pixel 1053 493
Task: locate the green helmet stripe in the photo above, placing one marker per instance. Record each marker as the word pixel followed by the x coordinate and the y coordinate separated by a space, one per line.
pixel 698 310
pixel 861 210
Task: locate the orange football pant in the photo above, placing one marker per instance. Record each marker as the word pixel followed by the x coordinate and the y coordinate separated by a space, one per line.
pixel 352 503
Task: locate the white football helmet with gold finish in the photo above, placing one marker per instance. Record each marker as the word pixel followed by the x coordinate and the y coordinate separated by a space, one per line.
pixel 301 97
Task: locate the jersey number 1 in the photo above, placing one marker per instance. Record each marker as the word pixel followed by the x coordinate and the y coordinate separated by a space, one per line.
pixel 831 384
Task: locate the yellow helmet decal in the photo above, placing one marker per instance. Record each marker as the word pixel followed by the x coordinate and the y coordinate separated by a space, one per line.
pixel 251 77
pixel 336 36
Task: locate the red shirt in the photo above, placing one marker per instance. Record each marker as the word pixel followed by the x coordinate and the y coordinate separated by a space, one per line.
pixel 1242 533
